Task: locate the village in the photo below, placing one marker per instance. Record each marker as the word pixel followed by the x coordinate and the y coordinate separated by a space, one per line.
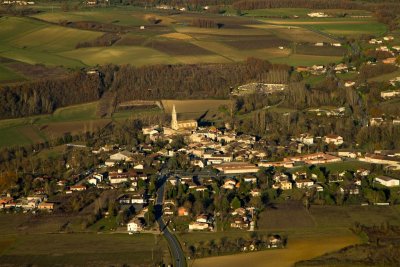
pixel 215 179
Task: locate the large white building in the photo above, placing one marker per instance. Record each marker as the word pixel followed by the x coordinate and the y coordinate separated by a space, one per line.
pixel 387 181
pixel 181 125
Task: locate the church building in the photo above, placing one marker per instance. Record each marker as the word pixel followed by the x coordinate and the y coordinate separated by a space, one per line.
pixel 181 125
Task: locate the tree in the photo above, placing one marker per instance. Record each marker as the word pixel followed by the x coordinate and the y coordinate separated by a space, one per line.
pixel 235 203
pixel 150 216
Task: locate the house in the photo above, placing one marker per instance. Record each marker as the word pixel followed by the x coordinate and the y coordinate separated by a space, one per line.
pixel 387 181
pixel 286 185
pixel 333 139
pixel 390 60
pixel 304 183
pixel 77 188
pixel 390 94
pixel 4 201
pixel 229 184
pixel 182 211
pixel 117 177
pixel 110 163
pixel 122 156
pixel 317 15
pixel 198 226
pixel 250 179
pixel 46 206
pixel 255 193
pixel 388 38
pixel 134 225
pixel 237 167
pixel 239 223
pixel 376 121
pixel 274 241
pixel 349 84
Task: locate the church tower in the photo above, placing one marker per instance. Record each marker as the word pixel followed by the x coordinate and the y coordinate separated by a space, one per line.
pixel 174 119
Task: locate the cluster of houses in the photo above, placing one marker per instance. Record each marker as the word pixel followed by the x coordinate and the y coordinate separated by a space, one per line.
pixel 18 2
pixel 30 203
pixel 332 112
pixel 393 50
pixel 317 15
pixel 260 88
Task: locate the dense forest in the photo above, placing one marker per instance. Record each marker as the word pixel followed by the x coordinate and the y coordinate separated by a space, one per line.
pixel 46 95
pixel 130 83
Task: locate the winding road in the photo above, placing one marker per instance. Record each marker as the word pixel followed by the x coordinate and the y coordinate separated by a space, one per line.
pixel 174 245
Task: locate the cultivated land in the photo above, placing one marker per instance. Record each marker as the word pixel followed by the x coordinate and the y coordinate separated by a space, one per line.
pixel 25 239
pixel 311 233
pixel 299 248
pixel 259 33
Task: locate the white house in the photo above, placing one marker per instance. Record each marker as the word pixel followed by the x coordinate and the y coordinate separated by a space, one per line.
pixel 134 226
pixel 333 139
pixel 387 181
pixel 122 156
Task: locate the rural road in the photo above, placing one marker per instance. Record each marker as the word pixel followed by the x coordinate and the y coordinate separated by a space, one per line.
pixel 174 246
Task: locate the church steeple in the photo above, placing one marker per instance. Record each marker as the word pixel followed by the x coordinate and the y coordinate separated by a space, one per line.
pixel 174 119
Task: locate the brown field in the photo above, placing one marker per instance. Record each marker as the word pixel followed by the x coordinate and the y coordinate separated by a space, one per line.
pixel 193 108
pixel 133 40
pixel 285 216
pixel 298 248
pixel 172 47
pixel 320 50
pixel 293 33
pixel 257 43
pixel 176 35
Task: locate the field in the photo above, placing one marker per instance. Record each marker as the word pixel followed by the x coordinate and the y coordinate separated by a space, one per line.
pixel 340 27
pixel 24 131
pixel 299 248
pixel 304 230
pixel 193 109
pixel 37 240
pixel 172 39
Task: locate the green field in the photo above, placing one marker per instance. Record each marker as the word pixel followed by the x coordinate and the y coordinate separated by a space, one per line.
pixel 335 26
pixel 7 75
pixel 173 40
pixel 29 130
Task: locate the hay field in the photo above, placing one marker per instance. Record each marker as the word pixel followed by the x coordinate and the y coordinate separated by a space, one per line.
pixel 298 248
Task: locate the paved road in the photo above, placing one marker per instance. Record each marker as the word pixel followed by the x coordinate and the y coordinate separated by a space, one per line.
pixel 175 247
